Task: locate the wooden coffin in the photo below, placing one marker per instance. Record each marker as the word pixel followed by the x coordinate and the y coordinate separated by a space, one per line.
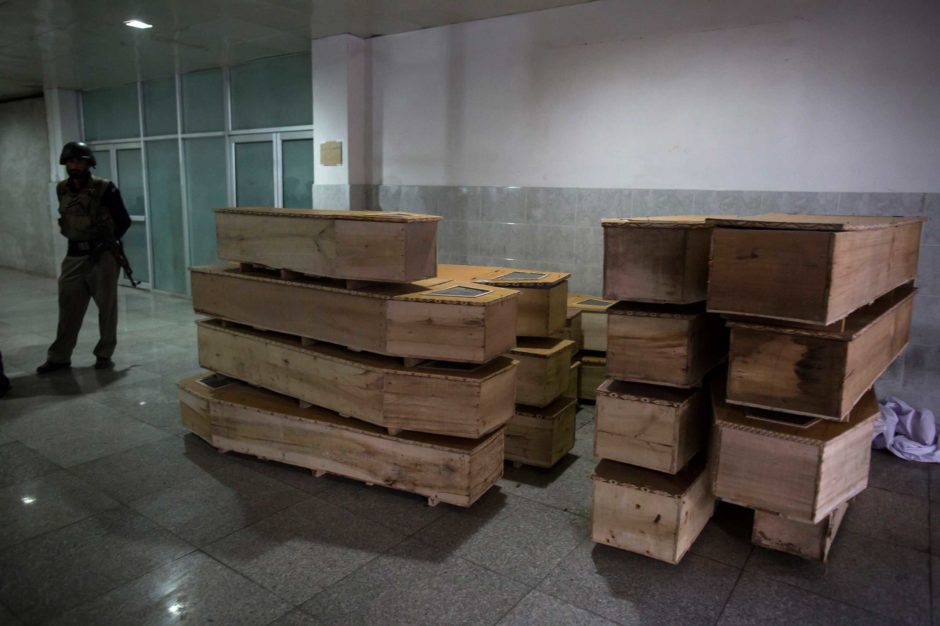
pixel 543 296
pixel 809 268
pixel 650 513
pixel 593 372
pixel 433 319
pixel 801 468
pixel 432 397
pixel 544 368
pixel 810 541
pixel 818 372
pixel 258 422
pixel 572 330
pixel 663 344
pixel 657 259
pixel 574 382
pixel 659 428
pixel 593 320
pixel 358 245
pixel 541 436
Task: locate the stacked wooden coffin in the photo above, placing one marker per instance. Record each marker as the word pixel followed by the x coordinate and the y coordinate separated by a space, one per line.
pixel 818 307
pixel 541 430
pixel 587 325
pixel 651 489
pixel 340 351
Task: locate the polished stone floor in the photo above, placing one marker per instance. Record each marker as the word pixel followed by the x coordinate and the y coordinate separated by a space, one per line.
pixel 111 514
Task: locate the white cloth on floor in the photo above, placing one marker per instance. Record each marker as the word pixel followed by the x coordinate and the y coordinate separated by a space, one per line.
pixel 906 432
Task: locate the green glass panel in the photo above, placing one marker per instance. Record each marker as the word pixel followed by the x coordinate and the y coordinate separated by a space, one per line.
pixel 135 247
pixel 203 101
pixel 272 92
pixel 254 174
pixel 130 180
pixel 166 215
pixel 111 113
pixel 160 107
pixel 205 191
pixel 103 168
pixel 297 158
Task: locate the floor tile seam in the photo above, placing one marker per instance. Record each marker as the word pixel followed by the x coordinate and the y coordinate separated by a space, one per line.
pixel 727 601
pixel 902 493
pixel 467 559
pixel 259 584
pixel 557 567
pixel 124 583
pixel 816 594
pixel 890 542
pixel 552 506
pixel 20 543
pixel 43 456
pixel 930 547
pixel 324 588
pixel 177 535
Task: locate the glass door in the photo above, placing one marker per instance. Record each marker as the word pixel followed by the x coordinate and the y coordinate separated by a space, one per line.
pixel 273 169
pixel 123 165
pixel 255 171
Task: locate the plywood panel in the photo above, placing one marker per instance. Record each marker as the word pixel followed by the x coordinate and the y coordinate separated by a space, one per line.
pixel 818 372
pixel 656 260
pixel 659 428
pixel 544 368
pixel 800 468
pixel 810 541
pixel 593 320
pixel 811 269
pixel 649 513
pixel 260 423
pixel 429 320
pixel 541 437
pixel 663 344
pixel 361 245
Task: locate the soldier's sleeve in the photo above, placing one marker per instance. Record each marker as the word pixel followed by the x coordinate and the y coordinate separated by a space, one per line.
pixel 112 199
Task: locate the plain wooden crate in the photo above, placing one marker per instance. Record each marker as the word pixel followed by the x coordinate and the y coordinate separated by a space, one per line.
pixel 815 269
pixel 801 468
pixel 593 320
pixel 810 541
pixel 544 369
pixel 574 379
pixel 663 344
pixel 543 296
pixel 818 372
pixel 659 428
pixel 541 436
pixel 433 397
pixel 593 373
pixel 433 319
pixel 261 423
pixel 650 513
pixel 358 245
pixel 657 259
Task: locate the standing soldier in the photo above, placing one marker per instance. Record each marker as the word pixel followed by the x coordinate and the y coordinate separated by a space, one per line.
pixel 93 218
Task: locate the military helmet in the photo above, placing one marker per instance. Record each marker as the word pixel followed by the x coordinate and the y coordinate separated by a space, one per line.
pixel 77 150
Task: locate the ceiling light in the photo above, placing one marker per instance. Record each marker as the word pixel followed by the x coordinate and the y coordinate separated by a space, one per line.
pixel 28 499
pixel 137 24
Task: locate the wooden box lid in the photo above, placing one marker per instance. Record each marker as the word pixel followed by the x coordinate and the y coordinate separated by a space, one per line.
pixel 796 221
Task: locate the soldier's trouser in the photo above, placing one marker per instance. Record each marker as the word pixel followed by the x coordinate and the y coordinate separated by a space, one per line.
pixel 80 281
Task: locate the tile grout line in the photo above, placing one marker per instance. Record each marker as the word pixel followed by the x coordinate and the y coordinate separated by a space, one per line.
pixel 737 581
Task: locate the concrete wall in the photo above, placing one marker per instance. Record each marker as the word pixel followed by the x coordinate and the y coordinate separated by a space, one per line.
pixel 524 131
pixel 780 95
pixel 26 229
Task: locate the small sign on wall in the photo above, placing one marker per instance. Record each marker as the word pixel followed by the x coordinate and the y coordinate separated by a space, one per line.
pixel 331 153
